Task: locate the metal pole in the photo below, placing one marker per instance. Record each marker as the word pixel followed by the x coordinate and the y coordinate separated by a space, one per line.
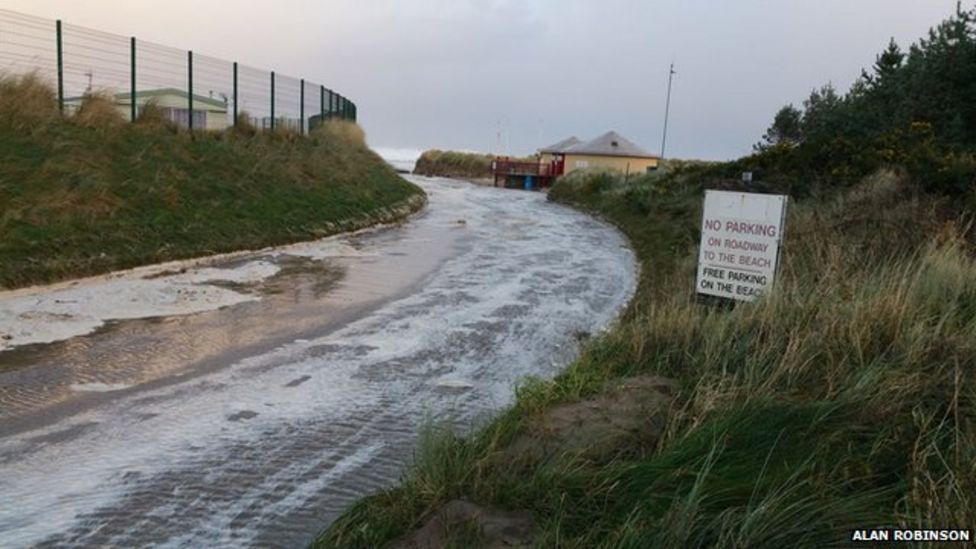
pixel 60 68
pixel 301 109
pixel 189 95
pixel 321 105
pixel 272 101
pixel 331 99
pixel 235 94
pixel 132 88
pixel 667 111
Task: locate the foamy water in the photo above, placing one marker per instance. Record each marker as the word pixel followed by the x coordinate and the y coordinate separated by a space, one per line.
pixel 403 159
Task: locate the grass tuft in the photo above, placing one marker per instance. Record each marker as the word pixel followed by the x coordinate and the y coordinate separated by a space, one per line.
pixel 342 131
pixel 152 116
pixel 27 102
pixel 99 111
pixel 244 126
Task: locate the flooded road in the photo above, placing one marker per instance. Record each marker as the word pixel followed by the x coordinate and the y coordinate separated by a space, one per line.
pixel 270 390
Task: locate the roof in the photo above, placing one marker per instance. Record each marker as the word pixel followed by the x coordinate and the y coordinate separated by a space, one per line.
pixel 561 146
pixel 610 144
pixel 123 98
pixel 202 99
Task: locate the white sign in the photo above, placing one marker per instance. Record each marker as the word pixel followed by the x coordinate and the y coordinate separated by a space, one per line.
pixel 740 241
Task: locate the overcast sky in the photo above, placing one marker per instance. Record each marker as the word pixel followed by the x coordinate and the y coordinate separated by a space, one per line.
pixel 450 73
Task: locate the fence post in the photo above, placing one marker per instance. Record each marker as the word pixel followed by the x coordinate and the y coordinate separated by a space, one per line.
pixel 321 105
pixel 60 68
pixel 132 86
pixel 235 94
pixel 189 95
pixel 272 100
pixel 301 109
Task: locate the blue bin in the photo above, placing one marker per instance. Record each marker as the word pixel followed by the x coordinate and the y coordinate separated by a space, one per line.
pixel 529 183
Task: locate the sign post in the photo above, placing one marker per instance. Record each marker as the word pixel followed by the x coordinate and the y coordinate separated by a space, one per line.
pixel 740 242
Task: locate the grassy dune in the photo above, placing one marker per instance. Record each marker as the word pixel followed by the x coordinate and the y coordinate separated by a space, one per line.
pixel 844 399
pixel 91 193
pixel 454 164
pixel 462 165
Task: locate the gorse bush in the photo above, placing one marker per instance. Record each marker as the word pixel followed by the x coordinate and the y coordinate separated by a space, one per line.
pixel 913 109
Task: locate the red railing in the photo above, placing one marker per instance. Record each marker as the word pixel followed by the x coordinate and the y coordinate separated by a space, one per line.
pixel 537 169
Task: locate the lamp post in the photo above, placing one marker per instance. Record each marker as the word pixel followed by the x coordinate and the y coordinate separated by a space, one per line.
pixel 667 111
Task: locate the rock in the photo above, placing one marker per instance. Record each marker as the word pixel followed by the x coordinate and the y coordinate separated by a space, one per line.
pixel 627 416
pixel 461 523
pixel 243 415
